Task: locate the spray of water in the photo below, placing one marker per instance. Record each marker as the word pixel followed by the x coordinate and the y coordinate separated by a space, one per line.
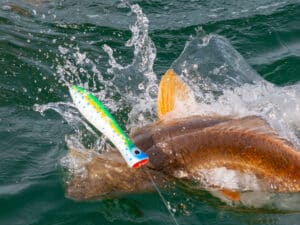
pixel 124 88
pixel 223 83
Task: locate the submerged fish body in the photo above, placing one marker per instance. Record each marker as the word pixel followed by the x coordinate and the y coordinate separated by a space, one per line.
pixel 196 148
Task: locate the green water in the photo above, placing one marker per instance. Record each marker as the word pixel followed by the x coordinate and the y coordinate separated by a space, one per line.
pixel 42 44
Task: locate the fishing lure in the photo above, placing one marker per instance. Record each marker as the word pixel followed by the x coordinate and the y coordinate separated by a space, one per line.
pixel 99 116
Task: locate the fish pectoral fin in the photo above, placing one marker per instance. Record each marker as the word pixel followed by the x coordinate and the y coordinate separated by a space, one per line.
pixel 231 195
pixel 171 90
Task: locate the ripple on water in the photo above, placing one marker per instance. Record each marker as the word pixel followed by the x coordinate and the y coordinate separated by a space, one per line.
pixel 47 45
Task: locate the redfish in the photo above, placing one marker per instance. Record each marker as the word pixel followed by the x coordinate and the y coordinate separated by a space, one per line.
pixel 193 148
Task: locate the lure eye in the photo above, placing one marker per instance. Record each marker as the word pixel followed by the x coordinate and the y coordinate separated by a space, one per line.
pixel 136 151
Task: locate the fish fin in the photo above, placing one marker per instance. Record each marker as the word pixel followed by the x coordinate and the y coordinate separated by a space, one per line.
pixel 171 89
pixel 231 195
pixel 251 124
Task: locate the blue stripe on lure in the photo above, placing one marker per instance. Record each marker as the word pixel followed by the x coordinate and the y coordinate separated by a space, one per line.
pixel 99 116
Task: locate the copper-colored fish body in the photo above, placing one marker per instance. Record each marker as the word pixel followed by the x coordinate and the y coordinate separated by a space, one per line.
pixel 194 147
pixel 247 145
pixel 188 145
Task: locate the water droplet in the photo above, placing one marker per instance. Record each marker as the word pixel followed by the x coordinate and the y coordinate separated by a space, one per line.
pixel 141 86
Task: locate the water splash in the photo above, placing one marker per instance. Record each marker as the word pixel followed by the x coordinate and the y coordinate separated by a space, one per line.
pixel 137 80
pixel 77 68
pixel 144 55
pixel 210 64
pixel 125 89
pixel 225 84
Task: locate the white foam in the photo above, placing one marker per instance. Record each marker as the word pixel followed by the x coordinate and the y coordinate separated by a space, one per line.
pixel 280 106
pixel 224 178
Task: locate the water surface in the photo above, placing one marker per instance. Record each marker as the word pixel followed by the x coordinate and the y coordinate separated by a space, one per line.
pixel 240 58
